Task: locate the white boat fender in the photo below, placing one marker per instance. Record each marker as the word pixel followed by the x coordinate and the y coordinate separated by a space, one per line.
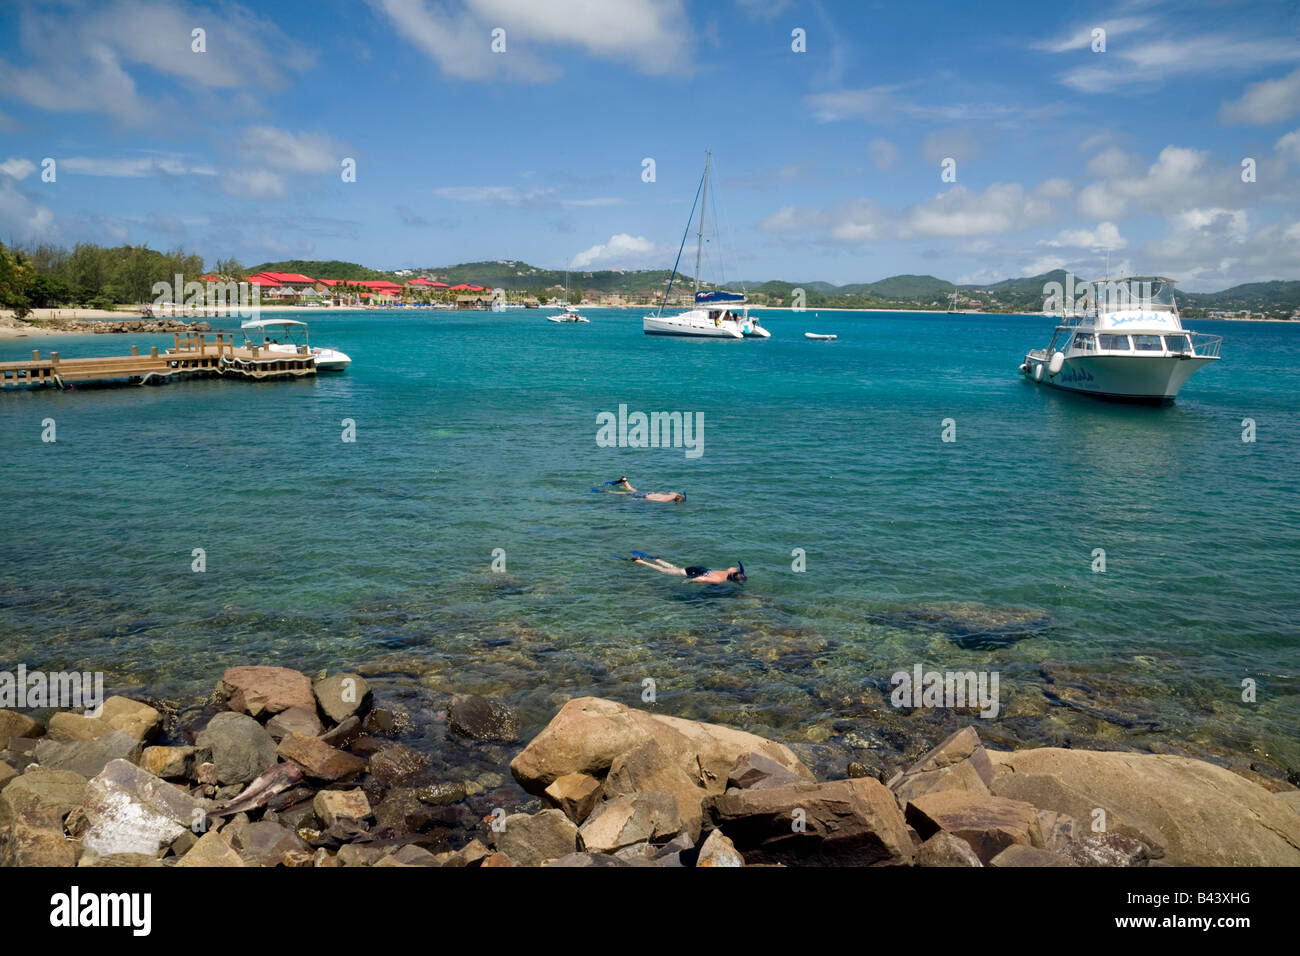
pixel 1057 363
pixel 1038 372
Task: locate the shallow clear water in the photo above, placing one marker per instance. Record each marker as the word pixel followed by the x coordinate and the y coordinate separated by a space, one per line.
pixel 476 432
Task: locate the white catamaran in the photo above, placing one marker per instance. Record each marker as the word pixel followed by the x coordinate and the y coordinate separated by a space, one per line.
pixel 717 314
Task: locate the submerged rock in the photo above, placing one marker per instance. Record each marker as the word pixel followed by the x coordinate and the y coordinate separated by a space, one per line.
pixel 482 718
pixel 971 625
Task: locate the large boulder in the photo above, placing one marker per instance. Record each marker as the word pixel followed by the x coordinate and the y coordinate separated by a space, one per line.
pixel 40 791
pixel 119 713
pixel 241 747
pixel 88 757
pixel 989 824
pixel 342 695
pixel 839 823
pixel 132 811
pixel 631 818
pixel 1193 812
pixel 531 840
pixel 14 724
pixel 686 758
pixel 257 690
pixel 960 762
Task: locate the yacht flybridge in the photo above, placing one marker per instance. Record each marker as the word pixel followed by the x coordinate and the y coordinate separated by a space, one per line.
pixel 716 314
pixel 1126 341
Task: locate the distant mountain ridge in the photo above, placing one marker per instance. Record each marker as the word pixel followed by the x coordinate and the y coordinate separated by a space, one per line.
pixel 906 291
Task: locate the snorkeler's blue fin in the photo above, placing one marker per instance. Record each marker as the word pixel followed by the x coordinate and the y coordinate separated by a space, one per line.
pixel 642 554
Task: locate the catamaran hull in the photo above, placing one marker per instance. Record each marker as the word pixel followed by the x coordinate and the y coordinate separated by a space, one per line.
pixel 671 325
pixel 1150 380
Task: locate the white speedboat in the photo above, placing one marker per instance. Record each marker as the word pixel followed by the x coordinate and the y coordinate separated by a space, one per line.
pixel 716 314
pixel 817 336
pixel 327 360
pixel 568 315
pixel 1127 343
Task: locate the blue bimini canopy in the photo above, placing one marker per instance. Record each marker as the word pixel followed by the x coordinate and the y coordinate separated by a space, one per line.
pixel 719 296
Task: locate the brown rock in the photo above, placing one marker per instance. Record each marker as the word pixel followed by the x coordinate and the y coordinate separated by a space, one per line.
pixel 989 824
pixel 36 843
pixel 576 794
pixel 119 713
pixel 958 763
pixel 257 690
pixel 14 724
pixel 331 806
pixel 589 733
pixel 719 851
pixel 649 768
pixel 497 859
pixel 1192 812
pixel 319 759
pixel 395 762
pixel 754 771
pixel 171 763
pixel 212 849
pixel 295 720
pixel 1017 854
pixel 7 773
pixel 530 840
pixel 842 822
pixel 944 849
pixel 629 819
pixel 342 696
pixel 40 791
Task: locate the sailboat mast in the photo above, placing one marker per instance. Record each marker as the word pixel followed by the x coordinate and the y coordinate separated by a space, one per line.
pixel 699 239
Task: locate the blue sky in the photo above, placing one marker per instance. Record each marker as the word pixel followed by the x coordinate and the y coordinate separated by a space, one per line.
pixel 828 161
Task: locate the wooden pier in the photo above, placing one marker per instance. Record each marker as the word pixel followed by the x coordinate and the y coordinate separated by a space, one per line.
pixel 193 354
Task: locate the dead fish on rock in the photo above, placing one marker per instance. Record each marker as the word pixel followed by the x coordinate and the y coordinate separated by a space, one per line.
pixel 280 777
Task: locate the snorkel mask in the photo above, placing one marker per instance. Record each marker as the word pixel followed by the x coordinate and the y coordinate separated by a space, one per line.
pixel 738 576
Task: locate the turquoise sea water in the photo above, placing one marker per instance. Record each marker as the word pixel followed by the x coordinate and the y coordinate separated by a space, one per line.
pixel 478 431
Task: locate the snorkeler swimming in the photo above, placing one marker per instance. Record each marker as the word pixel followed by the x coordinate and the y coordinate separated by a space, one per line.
pixel 700 575
pixel 621 486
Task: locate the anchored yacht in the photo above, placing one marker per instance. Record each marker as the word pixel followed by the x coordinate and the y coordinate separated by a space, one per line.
pixel 1126 342
pixel 716 314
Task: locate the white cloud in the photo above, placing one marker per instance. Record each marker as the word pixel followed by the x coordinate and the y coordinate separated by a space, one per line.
pixel 1288 145
pixel 1105 236
pixel 83 61
pixel 295 152
pixel 254 183
pixel 131 168
pixel 883 153
pixel 1080 38
pixel 653 34
pixel 621 250
pixel 15 167
pixel 504 195
pixel 1151 63
pixel 957 213
pixel 1265 102
pixel 20 217
pixel 1179 179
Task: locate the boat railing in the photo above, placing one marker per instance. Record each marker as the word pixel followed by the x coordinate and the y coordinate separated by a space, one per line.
pixel 1204 345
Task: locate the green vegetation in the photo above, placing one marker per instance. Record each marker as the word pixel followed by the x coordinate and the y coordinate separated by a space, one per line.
pixel 333 269
pixel 90 275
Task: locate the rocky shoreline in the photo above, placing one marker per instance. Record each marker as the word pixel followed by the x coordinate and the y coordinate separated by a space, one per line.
pixel 55 325
pixel 283 770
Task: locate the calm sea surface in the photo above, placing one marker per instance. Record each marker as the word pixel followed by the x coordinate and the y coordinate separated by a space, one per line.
pixel 478 432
